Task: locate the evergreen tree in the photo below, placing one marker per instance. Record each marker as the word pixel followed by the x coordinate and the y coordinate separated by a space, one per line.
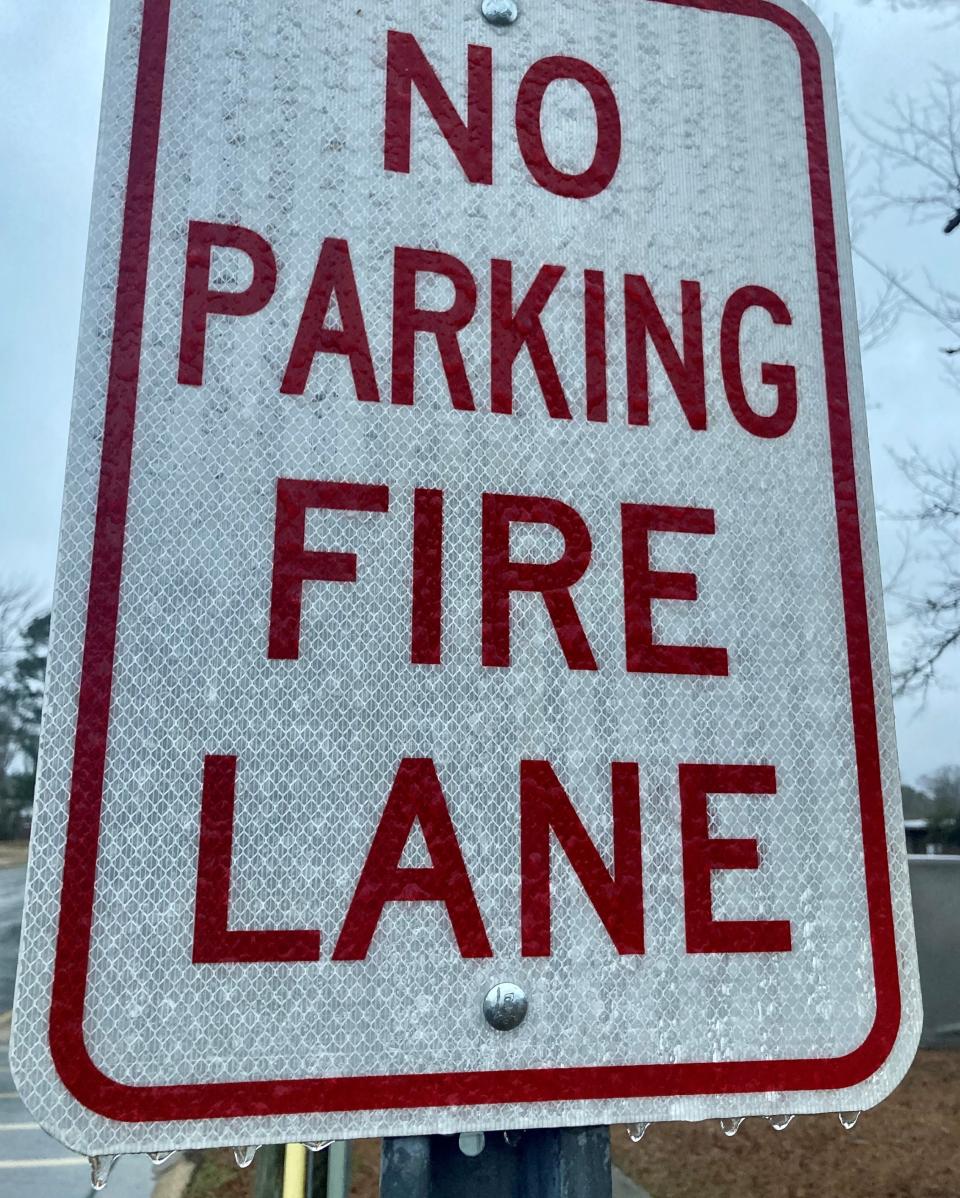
pixel 916 803
pixel 943 787
pixel 21 704
pixel 29 674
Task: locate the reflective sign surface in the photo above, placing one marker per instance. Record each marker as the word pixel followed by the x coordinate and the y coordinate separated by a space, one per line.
pixel 467 589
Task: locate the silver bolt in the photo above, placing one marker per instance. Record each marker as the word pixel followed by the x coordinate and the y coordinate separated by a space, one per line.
pixel 499 12
pixel 505 1006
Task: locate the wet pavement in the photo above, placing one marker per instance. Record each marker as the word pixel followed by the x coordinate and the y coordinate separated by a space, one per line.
pixel 12 881
pixel 33 1164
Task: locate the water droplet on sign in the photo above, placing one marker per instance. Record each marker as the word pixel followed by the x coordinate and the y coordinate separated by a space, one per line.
pixel 243 1154
pixel 512 1138
pixel 317 1145
pixel 472 1142
pixel 100 1167
pixel 781 1122
pixel 159 1157
pixel 849 1119
pixel 636 1131
pixel 730 1127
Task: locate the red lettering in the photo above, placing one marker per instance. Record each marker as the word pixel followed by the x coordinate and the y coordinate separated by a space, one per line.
pixel 595 344
pixel 213 941
pixel 408 320
pixel 617 896
pixel 606 155
pixel 333 277
pixel 427 586
pixel 293 564
pixel 686 373
pixel 702 854
pixel 416 794
pixel 471 142
pixel 200 302
pixel 641 586
pixel 553 580
pixel 510 331
pixel 782 377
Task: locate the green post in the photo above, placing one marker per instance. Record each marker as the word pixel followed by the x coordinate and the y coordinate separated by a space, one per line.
pixel 268 1180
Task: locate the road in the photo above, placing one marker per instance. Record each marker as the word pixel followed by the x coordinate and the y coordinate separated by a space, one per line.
pixel 32 1164
pixel 12 880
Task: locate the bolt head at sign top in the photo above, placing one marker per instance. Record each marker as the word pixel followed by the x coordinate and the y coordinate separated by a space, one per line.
pixel 468 705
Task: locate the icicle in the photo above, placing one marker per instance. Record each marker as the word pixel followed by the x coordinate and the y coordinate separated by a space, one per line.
pixel 849 1119
pixel 636 1131
pixel 100 1167
pixel 471 1142
pixel 244 1155
pixel 730 1127
pixel 781 1122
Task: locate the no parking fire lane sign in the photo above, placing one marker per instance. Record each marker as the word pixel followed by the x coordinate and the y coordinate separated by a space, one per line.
pixel 468 705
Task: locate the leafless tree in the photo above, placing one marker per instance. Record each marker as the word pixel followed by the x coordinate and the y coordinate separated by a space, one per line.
pixel 917 153
pixel 18 602
pixel 943 789
pixel 912 155
pixel 899 296
pixel 930 614
pixel 944 10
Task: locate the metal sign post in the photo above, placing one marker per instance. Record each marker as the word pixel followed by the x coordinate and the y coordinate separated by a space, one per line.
pixel 541 1163
pixel 468 672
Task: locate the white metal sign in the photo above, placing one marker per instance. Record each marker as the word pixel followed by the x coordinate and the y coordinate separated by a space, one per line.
pixel 467 580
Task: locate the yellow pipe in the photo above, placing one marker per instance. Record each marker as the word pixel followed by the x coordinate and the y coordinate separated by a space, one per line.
pixel 294 1171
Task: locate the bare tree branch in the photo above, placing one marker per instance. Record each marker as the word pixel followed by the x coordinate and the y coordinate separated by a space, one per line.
pixel 945 10
pixel 877 322
pixel 18 603
pixel 916 153
pixel 912 152
pixel 931 611
pixel 897 297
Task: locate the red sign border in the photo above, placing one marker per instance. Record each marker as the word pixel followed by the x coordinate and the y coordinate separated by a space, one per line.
pixel 224 1100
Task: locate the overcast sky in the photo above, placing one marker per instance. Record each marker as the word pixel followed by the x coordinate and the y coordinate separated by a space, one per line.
pixel 51 63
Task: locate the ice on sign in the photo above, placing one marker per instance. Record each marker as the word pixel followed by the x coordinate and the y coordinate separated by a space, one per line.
pixel 468 706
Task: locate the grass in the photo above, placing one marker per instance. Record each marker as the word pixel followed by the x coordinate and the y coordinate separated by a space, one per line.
pixel 217 1176
pixel 13 852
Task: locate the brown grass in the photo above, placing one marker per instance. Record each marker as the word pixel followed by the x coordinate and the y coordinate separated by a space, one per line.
pixel 365 1169
pixel 217 1176
pixel 13 852
pixel 904 1148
